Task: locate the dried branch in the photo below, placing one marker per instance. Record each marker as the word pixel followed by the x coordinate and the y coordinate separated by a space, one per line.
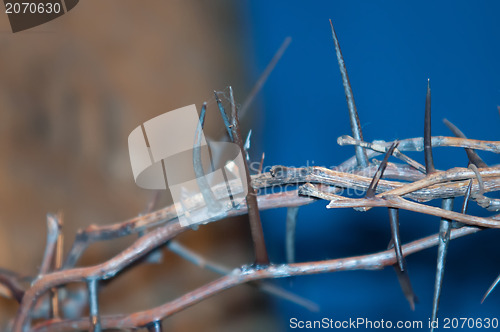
pixel 442 184
pixel 401 184
pixel 95 233
pixel 263 286
pixel 246 274
pixel 401 203
pixel 416 144
pixel 451 183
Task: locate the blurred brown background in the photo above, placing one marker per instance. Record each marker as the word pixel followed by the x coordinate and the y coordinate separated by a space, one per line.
pixel 70 93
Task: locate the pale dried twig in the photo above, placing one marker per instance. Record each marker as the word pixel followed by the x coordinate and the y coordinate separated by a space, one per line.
pixel 366 262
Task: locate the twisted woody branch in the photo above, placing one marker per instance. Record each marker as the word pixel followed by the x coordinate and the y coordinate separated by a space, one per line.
pixel 406 185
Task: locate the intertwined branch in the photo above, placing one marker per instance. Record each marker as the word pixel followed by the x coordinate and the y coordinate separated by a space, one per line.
pixel 395 186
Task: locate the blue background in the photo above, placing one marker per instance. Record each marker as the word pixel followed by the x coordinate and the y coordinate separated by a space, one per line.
pixel 390 49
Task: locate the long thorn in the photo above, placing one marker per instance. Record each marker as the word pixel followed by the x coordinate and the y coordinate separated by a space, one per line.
pixel 261 257
pixel 261 165
pixel 404 280
pixel 95 322
pixel 272 289
pixel 465 205
pixel 58 260
pixel 212 204
pixel 429 160
pixel 224 116
pixel 51 255
pixel 409 161
pixel 291 225
pixel 51 246
pixel 361 156
pixel 195 258
pixel 370 192
pixel 263 77
pixel 444 239
pixel 394 221
pixel 471 153
pixel 491 288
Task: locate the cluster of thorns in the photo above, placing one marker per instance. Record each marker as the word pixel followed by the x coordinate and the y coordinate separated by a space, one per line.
pixel 405 186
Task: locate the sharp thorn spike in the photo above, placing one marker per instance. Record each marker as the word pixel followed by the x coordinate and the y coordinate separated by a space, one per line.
pixel 370 192
pixel 467 197
pixel 291 225
pixel 429 160
pixel 394 221
pixel 224 116
pixel 272 289
pixel 95 322
pixel 471 153
pixel 261 165
pixel 404 280
pixel 491 288
pixel 444 239
pixel 406 287
pixel 409 161
pixel 192 257
pixel 261 257
pixel 361 156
